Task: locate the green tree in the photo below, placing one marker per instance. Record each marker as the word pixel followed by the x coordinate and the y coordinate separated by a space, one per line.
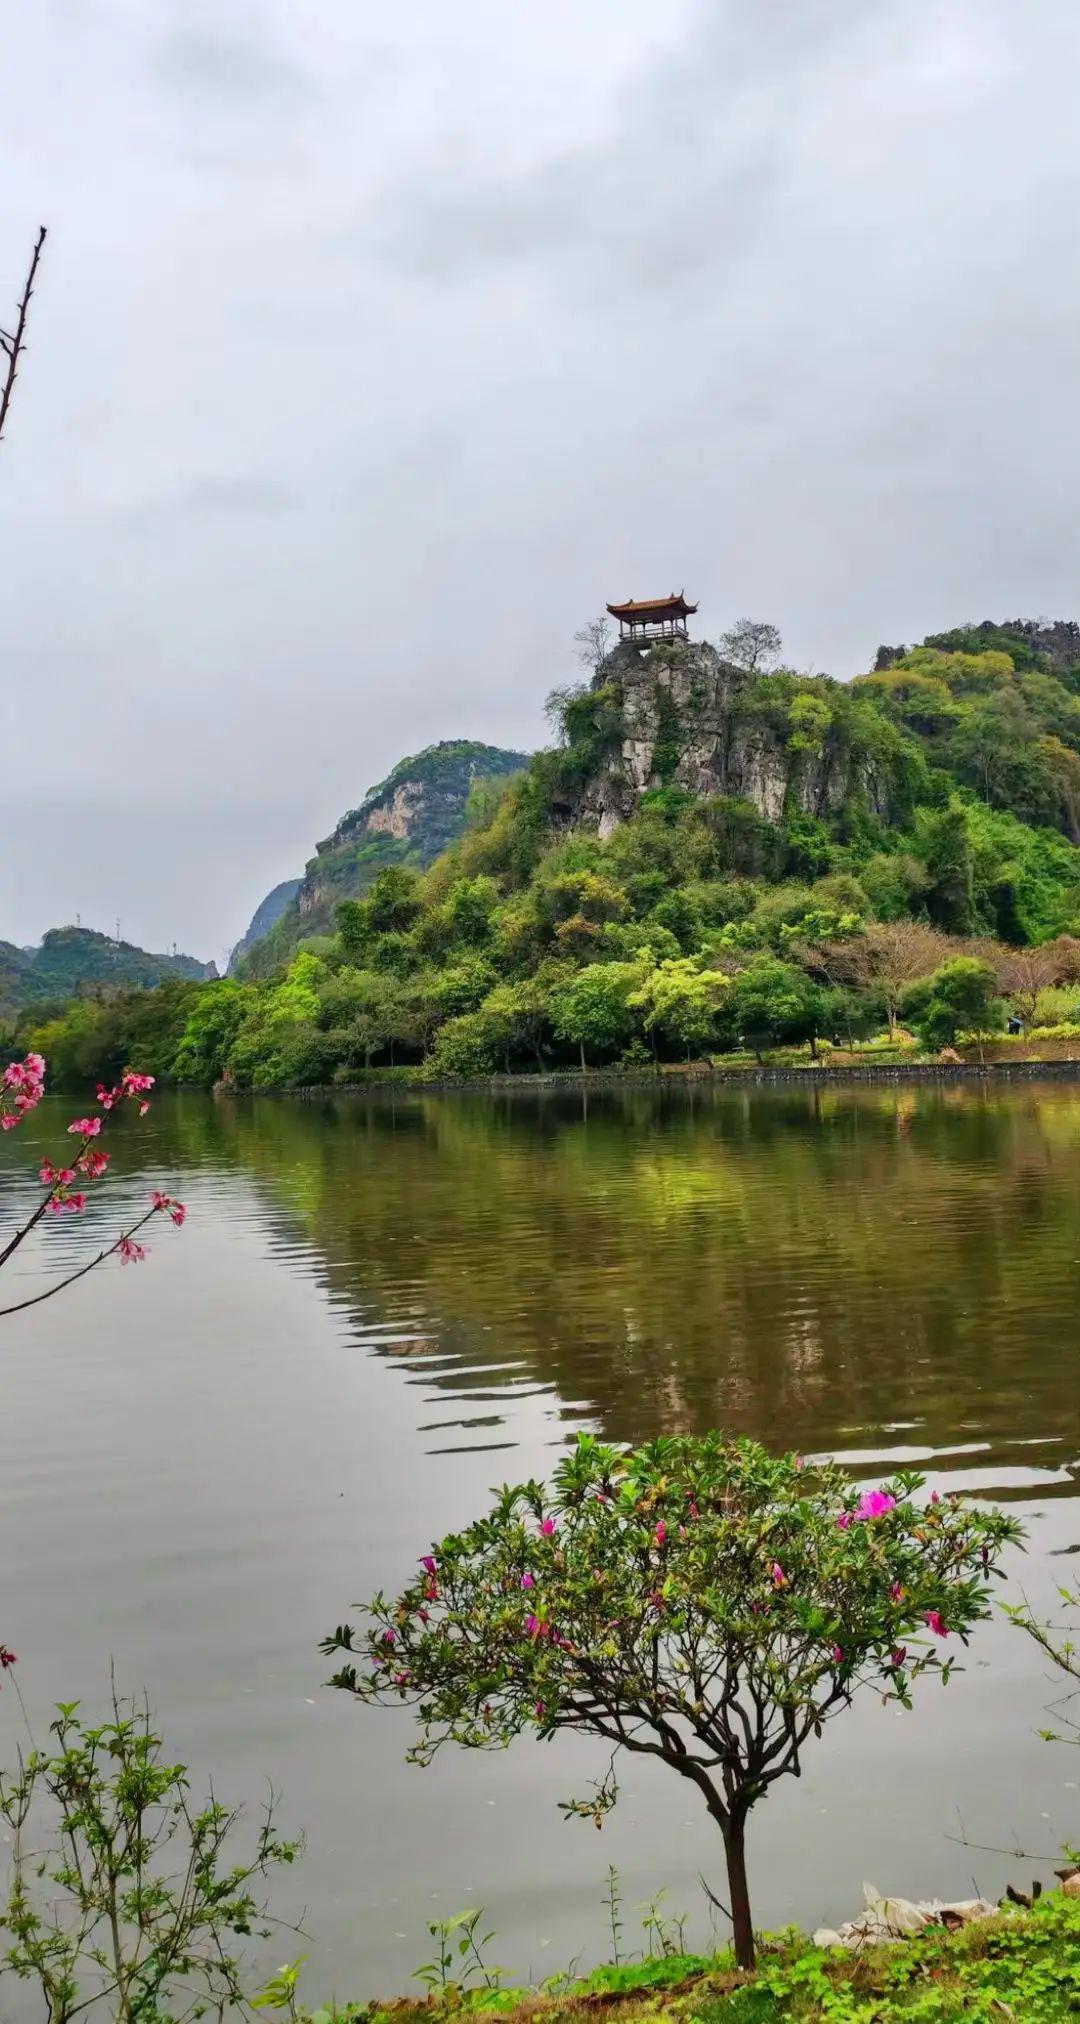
pixel 358 1006
pixel 950 892
pixel 594 1011
pixel 471 1044
pixel 680 1000
pixel 522 1011
pixel 698 1601
pixel 962 996
pixel 470 907
pixel 394 900
pixel 214 1019
pixel 774 1004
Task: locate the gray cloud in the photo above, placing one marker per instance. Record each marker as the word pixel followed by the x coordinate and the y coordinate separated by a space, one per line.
pixel 227 67
pixel 242 494
pixel 371 355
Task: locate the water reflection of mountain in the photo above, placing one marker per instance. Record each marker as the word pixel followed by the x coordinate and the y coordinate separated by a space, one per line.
pixel 887 1270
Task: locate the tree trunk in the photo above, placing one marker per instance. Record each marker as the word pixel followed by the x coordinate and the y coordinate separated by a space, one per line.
pixel 584 1064
pixel 738 1891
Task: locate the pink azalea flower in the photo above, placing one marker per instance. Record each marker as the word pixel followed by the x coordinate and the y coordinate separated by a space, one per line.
pixel 528 1581
pixel 389 1637
pixel 874 1504
pixel 933 1619
pixel 539 1710
pixel 897 1591
pixel 838 1656
pixel 846 1519
pixel 661 1532
pixel 799 1463
pixel 899 1656
pixel 934 1498
pixel 428 1563
pixel 694 1512
pixel 548 1528
pixel 780 1579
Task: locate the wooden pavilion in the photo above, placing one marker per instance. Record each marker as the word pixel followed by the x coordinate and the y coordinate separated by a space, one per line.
pixel 653 618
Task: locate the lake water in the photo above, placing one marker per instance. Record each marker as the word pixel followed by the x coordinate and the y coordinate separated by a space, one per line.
pixel 377 1310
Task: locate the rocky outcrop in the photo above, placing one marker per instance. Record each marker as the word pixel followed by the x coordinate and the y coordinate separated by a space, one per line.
pixel 409 818
pixel 413 814
pixel 692 720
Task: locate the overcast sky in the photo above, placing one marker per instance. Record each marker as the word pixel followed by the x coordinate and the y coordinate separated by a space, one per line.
pixel 375 347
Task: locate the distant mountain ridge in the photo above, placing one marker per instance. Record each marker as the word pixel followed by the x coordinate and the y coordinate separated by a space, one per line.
pixel 266 916
pixel 408 818
pixel 73 959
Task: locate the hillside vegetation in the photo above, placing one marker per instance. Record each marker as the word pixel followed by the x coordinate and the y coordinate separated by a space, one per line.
pixel 74 959
pixel 903 848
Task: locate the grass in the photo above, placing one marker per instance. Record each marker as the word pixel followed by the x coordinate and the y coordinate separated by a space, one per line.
pixel 1020 1966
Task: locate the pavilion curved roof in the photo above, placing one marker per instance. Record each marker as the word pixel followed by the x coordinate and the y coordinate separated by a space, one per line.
pixel 672 606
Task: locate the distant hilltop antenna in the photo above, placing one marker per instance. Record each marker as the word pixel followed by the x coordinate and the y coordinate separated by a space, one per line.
pixel 118 927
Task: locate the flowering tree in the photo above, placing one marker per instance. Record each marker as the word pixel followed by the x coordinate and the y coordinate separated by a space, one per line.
pixel 697 1600
pixel 66 1183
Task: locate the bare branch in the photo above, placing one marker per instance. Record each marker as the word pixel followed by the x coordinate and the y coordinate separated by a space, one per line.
pixel 15 342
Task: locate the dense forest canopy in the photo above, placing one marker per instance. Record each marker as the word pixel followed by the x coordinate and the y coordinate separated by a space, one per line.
pixel 942 887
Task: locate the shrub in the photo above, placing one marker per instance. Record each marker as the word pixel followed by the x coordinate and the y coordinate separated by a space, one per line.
pixel 121 1893
pixel 698 1601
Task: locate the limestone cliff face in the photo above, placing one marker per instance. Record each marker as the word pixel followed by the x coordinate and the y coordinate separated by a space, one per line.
pixel 409 818
pixel 692 720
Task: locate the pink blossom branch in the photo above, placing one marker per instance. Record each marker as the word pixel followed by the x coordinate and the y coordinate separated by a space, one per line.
pixel 125 1237
pixel 47 1199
